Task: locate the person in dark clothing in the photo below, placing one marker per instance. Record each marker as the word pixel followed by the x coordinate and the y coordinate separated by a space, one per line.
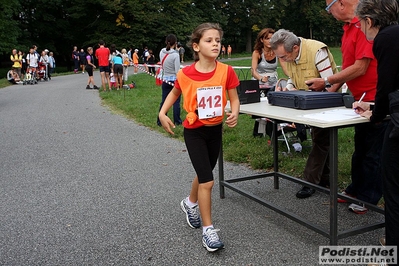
pixel 82 60
pixel 151 62
pixel 378 19
pixel 75 59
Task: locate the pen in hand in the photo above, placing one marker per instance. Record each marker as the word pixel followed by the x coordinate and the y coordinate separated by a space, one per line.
pixel 361 98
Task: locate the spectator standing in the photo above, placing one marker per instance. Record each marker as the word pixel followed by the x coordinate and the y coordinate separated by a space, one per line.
pixel 45 61
pixel 32 59
pixel 151 62
pixel 117 66
pixel 181 50
pixel 203 126
pixel 359 71
pixel 145 55
pixel 136 60
pixel 16 59
pixel 130 53
pixel 264 61
pixel 36 52
pixel 82 60
pixel 23 64
pixel 103 55
pixel 126 63
pixel 75 59
pixel 264 65
pixel 304 57
pixel 145 58
pixel 378 19
pixel 51 63
pixel 223 51
pixel 170 66
pixel 229 50
pixel 90 66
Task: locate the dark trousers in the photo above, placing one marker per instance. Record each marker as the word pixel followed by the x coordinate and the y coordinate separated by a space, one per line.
pixel 166 89
pixel 76 64
pixel 317 169
pixel 366 162
pixel 390 174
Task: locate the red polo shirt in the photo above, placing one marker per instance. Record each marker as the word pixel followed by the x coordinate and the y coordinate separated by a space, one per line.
pixel 355 46
pixel 102 55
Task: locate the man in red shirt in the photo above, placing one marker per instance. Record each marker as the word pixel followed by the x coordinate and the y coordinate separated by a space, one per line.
pixel 103 55
pixel 359 71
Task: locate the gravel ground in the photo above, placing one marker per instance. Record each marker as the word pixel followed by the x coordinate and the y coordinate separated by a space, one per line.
pixel 80 185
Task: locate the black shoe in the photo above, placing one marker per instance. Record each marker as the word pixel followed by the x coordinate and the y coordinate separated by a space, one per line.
pixel 325 184
pixel 305 192
pixel 95 87
pixel 88 87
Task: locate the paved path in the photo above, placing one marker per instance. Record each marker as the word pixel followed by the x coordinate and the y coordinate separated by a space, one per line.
pixel 80 185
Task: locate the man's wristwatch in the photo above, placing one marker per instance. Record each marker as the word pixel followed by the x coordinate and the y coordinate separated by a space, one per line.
pixel 327 84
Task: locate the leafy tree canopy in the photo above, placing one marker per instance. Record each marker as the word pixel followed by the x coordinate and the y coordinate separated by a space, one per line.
pixel 58 25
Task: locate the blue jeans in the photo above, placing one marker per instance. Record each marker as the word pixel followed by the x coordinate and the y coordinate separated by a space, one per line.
pixel 366 162
pixel 166 89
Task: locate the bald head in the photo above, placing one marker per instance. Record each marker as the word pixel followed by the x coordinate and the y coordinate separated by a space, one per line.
pixel 343 10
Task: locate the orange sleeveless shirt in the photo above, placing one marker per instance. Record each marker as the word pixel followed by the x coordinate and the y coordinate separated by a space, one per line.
pixel 189 90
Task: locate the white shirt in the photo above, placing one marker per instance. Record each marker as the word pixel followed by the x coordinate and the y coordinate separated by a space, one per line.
pixel 32 59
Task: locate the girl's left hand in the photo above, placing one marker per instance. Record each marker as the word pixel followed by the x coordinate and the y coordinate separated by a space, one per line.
pixel 231 120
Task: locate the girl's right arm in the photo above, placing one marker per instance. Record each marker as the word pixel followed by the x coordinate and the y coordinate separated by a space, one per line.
pixel 163 118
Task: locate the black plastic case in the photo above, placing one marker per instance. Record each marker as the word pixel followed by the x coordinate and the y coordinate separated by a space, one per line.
pixel 305 99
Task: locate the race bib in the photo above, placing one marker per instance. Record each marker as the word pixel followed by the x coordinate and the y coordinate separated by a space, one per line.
pixel 210 101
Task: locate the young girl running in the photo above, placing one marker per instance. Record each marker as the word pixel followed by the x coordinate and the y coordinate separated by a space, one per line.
pixel 204 85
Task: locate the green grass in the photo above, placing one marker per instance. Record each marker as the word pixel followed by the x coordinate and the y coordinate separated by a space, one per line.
pixel 142 104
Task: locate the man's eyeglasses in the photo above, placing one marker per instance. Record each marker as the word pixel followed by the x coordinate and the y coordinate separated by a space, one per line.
pixel 330 5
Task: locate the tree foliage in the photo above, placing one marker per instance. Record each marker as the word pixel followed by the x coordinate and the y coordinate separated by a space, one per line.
pixel 58 25
pixel 9 32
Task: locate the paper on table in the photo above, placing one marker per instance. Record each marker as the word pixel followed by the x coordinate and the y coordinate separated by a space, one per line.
pixel 333 115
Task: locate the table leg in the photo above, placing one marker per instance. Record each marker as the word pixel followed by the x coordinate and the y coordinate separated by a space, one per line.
pixel 333 186
pixel 275 154
pixel 221 172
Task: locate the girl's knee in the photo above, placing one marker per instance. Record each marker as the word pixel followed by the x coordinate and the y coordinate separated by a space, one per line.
pixel 207 185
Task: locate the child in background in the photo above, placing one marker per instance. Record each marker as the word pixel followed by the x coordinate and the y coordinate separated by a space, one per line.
pixel 136 60
pixel 112 81
pixel 202 83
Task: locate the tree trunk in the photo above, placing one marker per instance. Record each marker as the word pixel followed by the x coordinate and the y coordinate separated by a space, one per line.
pixel 248 46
